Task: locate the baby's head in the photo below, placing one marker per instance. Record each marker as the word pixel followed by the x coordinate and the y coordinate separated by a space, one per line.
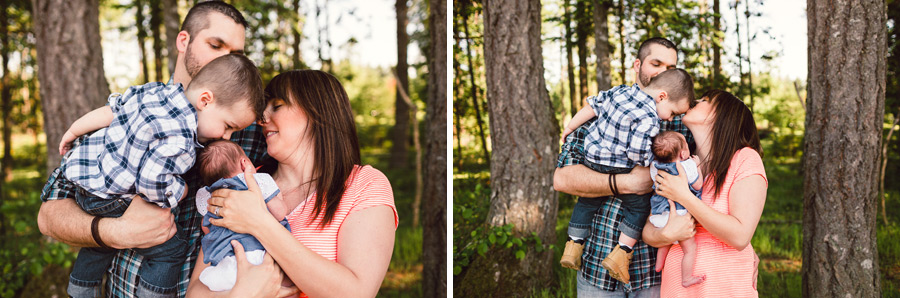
pixel 670 146
pixel 228 96
pixel 673 91
pixel 219 159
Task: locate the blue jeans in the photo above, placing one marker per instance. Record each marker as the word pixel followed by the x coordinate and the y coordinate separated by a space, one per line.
pixel 586 289
pixel 160 270
pixel 635 209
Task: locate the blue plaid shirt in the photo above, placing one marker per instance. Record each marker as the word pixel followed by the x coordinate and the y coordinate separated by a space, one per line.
pixel 604 232
pixel 123 274
pixel 625 126
pixel 150 143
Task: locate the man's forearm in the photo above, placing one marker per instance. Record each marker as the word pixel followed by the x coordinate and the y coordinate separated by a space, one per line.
pixel 581 181
pixel 66 222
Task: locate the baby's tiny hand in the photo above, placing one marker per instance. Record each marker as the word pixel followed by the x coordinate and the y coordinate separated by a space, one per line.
pixel 695 158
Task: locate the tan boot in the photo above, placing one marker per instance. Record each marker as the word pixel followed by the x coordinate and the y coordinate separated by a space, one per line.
pixel 571 257
pixel 617 264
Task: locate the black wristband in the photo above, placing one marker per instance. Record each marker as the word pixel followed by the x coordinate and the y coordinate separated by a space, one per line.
pixel 95 232
pixel 612 185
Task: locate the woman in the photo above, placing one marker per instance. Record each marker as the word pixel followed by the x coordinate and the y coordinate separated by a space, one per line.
pixel 343 216
pixel 734 193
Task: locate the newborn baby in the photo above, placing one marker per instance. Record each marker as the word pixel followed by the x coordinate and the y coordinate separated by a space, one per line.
pixel 220 167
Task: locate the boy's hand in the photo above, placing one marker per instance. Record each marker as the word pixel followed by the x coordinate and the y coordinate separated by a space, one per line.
pixel 566 132
pixel 65 144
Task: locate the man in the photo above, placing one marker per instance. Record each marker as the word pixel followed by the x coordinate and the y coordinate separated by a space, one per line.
pixel 655 55
pixel 210 30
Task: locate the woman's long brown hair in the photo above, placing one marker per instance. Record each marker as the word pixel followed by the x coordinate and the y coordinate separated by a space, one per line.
pixel 331 126
pixel 733 128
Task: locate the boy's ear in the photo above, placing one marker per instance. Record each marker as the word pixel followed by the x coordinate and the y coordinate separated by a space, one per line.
pixel 182 41
pixel 663 95
pixel 206 98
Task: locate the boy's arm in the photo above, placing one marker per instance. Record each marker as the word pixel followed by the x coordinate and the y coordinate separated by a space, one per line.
pixel 583 115
pixel 91 121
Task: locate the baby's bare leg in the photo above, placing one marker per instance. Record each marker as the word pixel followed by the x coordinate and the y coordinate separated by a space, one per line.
pixel 688 279
pixel 661 257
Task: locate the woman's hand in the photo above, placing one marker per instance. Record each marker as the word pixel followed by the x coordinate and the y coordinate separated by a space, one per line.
pixel 674 187
pixel 263 280
pixel 241 211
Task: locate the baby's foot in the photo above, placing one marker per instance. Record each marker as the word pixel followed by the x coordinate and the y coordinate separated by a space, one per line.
pixel 692 280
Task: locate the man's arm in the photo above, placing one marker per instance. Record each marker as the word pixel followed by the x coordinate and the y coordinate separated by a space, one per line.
pixel 91 121
pixel 142 225
pixel 581 181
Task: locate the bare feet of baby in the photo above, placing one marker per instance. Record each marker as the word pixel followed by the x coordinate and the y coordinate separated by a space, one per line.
pixel 692 280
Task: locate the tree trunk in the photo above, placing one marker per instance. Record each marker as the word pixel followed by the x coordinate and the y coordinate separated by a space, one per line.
pixel 434 232
pixel 6 96
pixel 525 135
pixel 67 35
pixel 570 60
pixel 296 31
pixel 749 57
pixel 141 38
pixel 582 33
pixel 622 39
pixel 717 46
pixel 842 147
pixel 172 20
pixel 155 24
pixel 601 37
pixel 400 133
pixel 475 91
pixel 884 160
pixel 458 97
pixel 740 58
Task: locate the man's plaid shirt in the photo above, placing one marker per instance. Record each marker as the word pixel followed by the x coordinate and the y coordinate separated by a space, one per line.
pixel 625 126
pixel 150 143
pixel 123 272
pixel 604 231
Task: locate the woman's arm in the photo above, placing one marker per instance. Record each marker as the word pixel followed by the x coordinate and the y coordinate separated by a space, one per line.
pixel 746 201
pixel 255 281
pixel 365 244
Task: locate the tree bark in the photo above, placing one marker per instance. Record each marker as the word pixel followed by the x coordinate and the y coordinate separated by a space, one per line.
pixel 575 104
pixel 172 20
pixel 296 31
pixel 842 147
pixel 141 38
pixel 434 232
pixel 475 91
pixel 400 134
pixel 155 24
pixel 525 136
pixel 601 37
pixel 582 33
pixel 72 82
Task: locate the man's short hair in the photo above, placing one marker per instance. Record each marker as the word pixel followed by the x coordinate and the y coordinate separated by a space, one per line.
pixel 676 82
pixel 197 18
pixel 233 78
pixel 219 159
pixel 666 146
pixel 644 50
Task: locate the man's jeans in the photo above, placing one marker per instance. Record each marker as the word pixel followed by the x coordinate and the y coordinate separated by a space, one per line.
pixel 586 289
pixel 160 270
pixel 635 209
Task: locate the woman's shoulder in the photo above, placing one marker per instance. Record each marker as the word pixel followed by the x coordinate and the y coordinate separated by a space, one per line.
pixel 366 181
pixel 746 162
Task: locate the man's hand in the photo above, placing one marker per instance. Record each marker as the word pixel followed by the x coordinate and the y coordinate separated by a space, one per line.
pixel 637 181
pixel 142 225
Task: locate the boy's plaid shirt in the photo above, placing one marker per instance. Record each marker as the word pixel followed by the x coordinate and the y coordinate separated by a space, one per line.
pixel 150 143
pixel 604 232
pixel 625 126
pixel 123 272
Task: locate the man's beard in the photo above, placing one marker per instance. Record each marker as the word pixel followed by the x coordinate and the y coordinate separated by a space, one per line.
pixel 645 79
pixel 190 62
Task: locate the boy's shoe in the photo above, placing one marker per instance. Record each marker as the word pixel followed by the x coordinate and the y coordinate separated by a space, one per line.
pixel 571 257
pixel 616 263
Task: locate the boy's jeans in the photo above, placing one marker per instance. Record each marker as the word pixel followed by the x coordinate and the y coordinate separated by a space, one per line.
pixel 160 270
pixel 635 209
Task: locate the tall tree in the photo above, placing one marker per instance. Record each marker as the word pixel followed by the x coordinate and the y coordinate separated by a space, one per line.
pixel 171 18
pixel 601 49
pixel 434 232
pixel 740 57
pixel 749 57
pixel 6 99
pixel 67 33
pixel 296 31
pixel 582 33
pixel 475 90
pixel 717 46
pixel 141 37
pixel 845 108
pixel 622 39
pixel 570 59
pixel 400 132
pixel 155 25
pixel 525 136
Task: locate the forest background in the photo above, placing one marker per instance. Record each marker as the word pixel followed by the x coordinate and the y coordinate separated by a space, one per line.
pixel 589 45
pixel 379 50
